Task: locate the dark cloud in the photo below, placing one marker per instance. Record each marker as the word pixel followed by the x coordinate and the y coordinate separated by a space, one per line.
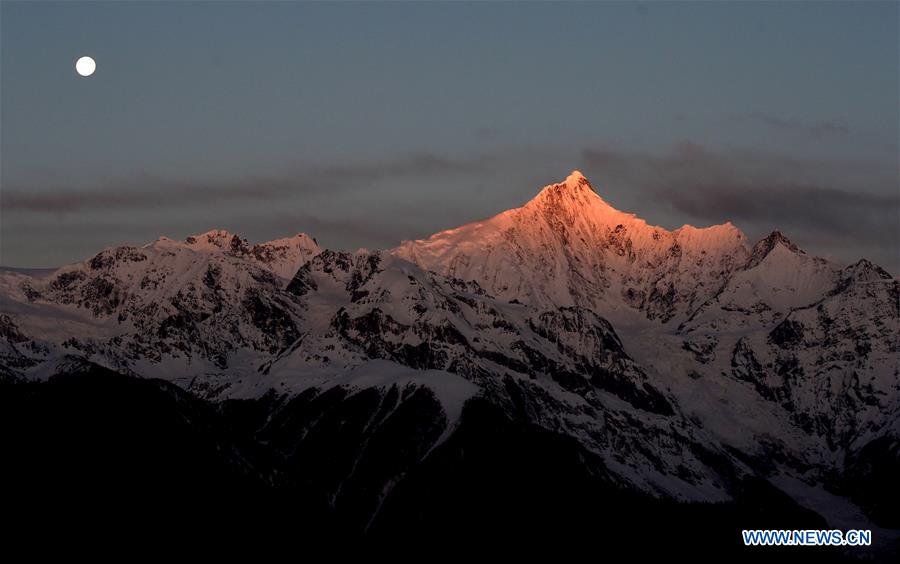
pixel 143 191
pixel 817 129
pixel 852 206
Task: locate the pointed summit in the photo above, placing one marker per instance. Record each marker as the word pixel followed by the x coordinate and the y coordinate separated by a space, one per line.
pixel 575 182
pixel 772 241
pixel 576 179
pixel 574 195
pixel 865 270
pixel 765 245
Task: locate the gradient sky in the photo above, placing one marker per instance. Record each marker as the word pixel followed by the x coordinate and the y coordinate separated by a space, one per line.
pixel 366 124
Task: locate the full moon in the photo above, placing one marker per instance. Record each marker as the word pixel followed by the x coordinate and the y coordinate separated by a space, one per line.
pixel 85 66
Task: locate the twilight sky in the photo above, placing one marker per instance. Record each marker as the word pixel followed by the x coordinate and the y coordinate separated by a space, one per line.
pixel 366 124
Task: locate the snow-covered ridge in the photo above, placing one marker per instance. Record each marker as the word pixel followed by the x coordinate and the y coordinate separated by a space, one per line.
pixel 281 256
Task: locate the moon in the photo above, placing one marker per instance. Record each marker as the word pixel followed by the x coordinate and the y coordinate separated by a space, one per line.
pixel 85 66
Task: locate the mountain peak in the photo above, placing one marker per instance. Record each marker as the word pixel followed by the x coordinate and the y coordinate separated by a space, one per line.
pixel 573 193
pixel 575 182
pixel 774 240
pixel 865 270
pixel 576 179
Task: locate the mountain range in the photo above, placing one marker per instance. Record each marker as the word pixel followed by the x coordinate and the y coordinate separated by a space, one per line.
pixel 563 369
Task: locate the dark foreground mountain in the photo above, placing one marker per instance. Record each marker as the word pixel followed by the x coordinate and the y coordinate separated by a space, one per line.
pixel 94 451
pixel 561 375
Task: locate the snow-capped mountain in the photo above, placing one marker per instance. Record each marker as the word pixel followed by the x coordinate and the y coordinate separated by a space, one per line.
pixel 195 303
pixel 567 246
pixel 681 364
pixel 704 310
